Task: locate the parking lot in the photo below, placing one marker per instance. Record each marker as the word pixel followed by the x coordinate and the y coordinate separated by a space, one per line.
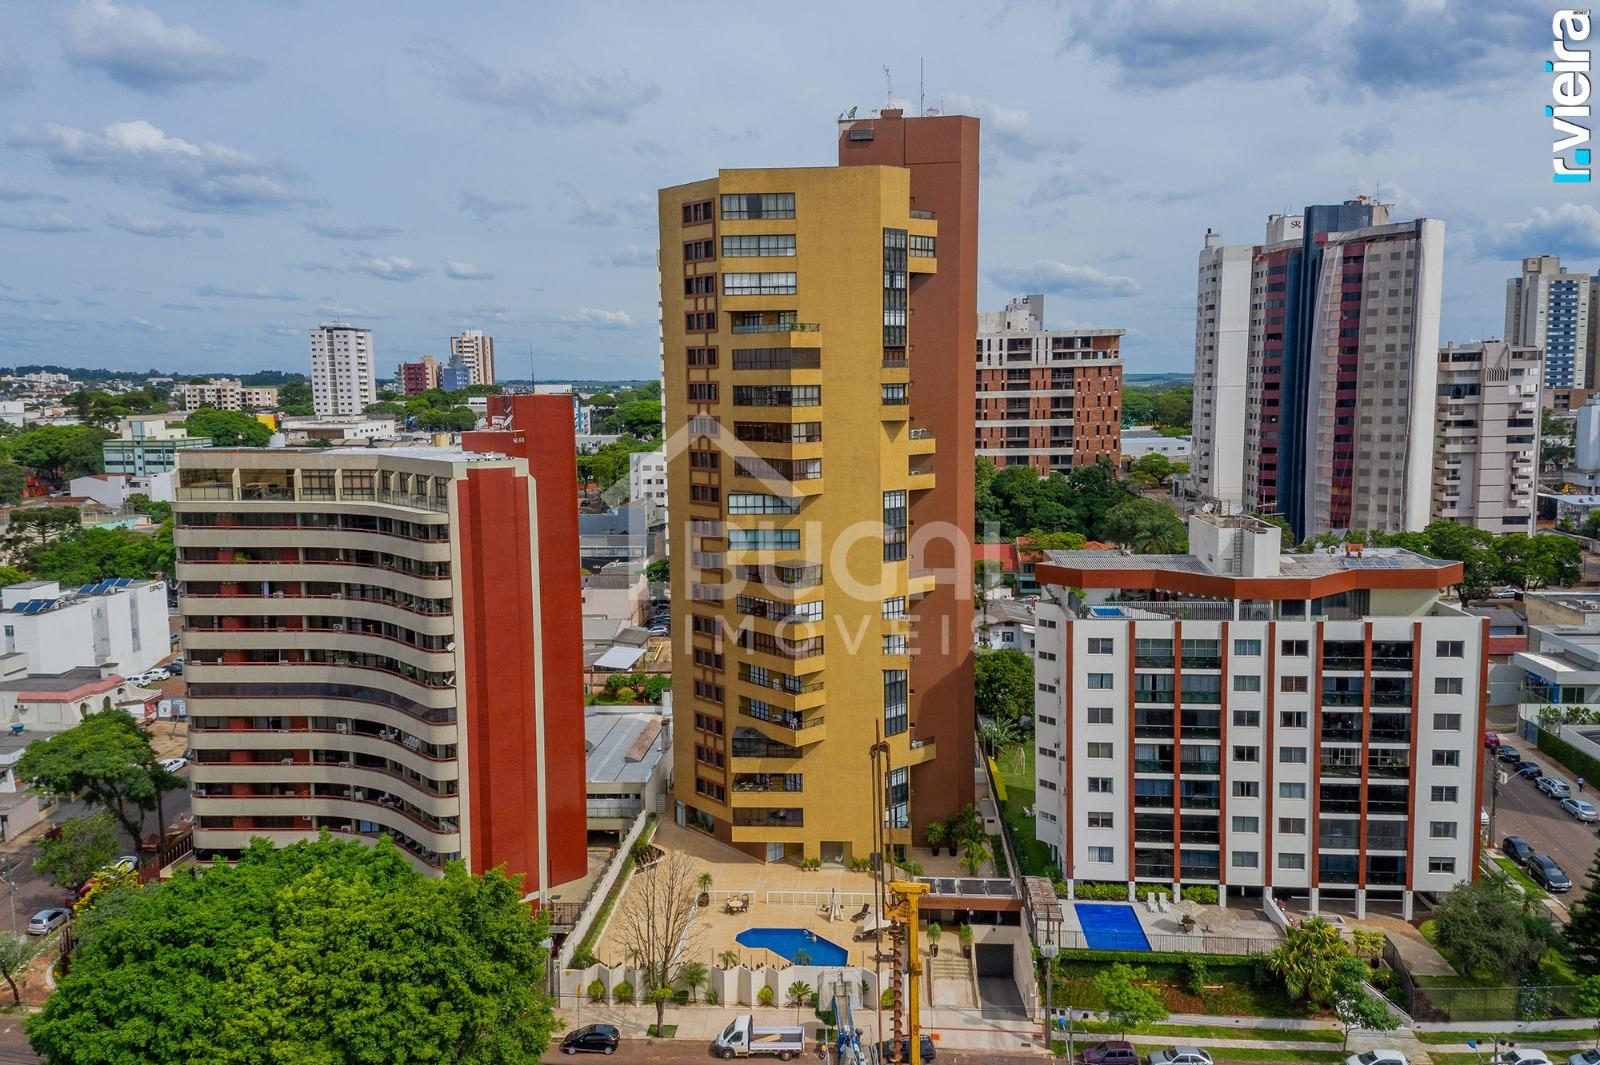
pixel 1521 809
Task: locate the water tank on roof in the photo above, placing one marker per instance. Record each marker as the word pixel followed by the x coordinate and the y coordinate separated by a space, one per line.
pixel 1588 435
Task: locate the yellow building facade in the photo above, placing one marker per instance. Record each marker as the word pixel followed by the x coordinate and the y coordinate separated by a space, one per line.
pixel 791 467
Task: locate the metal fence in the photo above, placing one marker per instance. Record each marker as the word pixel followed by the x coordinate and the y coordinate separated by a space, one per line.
pixel 1427 1000
pixel 1175 943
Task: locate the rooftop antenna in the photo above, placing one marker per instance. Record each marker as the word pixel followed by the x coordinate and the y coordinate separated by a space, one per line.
pixel 533 376
pixel 888 84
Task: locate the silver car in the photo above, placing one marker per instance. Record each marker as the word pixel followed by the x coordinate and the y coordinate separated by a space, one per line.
pixel 1180 1056
pixel 46 921
pixel 1582 809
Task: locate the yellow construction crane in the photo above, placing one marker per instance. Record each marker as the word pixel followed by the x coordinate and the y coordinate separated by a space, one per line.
pixel 904 899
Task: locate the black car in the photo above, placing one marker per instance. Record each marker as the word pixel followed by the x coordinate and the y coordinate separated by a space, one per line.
pixel 1507 753
pixel 1548 875
pixel 595 1039
pixel 1517 849
pixel 886 1049
pixel 1529 770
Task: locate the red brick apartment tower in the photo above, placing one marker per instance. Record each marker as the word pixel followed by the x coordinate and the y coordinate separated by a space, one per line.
pixel 540 430
pixel 942 155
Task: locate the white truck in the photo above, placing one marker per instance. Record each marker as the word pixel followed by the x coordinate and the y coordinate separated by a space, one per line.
pixel 742 1039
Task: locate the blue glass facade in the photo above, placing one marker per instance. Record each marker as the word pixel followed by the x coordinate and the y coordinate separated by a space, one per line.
pixel 1562 342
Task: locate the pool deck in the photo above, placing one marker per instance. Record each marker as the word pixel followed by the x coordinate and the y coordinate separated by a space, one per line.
pixel 1240 921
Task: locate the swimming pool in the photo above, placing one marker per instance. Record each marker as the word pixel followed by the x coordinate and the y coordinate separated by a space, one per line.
pixel 1110 926
pixel 789 942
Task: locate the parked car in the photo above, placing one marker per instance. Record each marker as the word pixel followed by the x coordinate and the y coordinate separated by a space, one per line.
pixel 124 864
pixel 46 921
pixel 1378 1057
pixel 1517 849
pixel 175 667
pixel 1520 1057
pixel 1555 787
pixel 1180 1056
pixel 1548 874
pixel 592 1039
pixel 1111 1052
pixel 1529 770
pixel 1585 1057
pixel 1581 809
pixel 1491 738
pixel 886 1049
pixel 172 765
pixel 1507 753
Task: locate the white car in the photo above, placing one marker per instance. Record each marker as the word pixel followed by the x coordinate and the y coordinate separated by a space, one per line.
pixel 1378 1057
pixel 1585 1057
pixel 173 765
pixel 1555 787
pixel 1581 809
pixel 1180 1056
pixel 46 921
pixel 1520 1057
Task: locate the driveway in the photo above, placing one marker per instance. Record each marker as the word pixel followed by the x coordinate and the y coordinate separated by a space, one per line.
pixel 1521 809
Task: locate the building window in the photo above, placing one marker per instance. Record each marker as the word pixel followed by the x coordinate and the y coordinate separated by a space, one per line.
pixel 757 503
pixel 1102 819
pixel 1246 754
pixel 700 321
pixel 896 645
pixel 1246 789
pixel 894 526
pixel 1295 648
pixel 1247 683
pixel 1291 860
pixel 1441 830
pixel 921 247
pixel 1441 865
pixel 702 392
pixel 705 460
pixel 698 250
pixel 894 702
pixel 1101 715
pixel 1443 793
pixel 700 285
pixel 1292 684
pixel 1251 648
pixel 702 356
pixel 1246 859
pixel 1247 824
pixel 757 205
pixel 1292 719
pixel 1447 758
pixel 1450 649
pixel 1447 685
pixel 897 798
pixel 1292 826
pixel 1292 755
pixel 894 288
pixel 1102 855
pixel 1102 645
pixel 1100 785
pixel 894 609
pixel 1447 722
pixel 1100 750
pixel 1291 790
pixel 763 244
pixel 1101 681
pixel 704 493
pixel 773 284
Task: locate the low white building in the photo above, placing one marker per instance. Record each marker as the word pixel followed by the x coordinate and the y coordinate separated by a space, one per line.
pixel 618 592
pixel 628 755
pixel 647 477
pixel 354 429
pixel 1141 440
pixel 1269 724
pixel 113 489
pixel 1006 624
pixel 117 627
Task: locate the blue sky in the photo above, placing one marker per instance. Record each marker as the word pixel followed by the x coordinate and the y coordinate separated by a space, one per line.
pixel 193 185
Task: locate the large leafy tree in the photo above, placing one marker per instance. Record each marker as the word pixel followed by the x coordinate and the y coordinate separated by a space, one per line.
pixel 106 758
pixel 1583 930
pixel 1014 501
pixel 1308 961
pixel 1488 926
pixel 1146 526
pixel 60 452
pixel 1128 1004
pixel 294 398
pixel 83 846
pixel 323 952
pixel 1003 684
pixel 228 428
pixel 95 554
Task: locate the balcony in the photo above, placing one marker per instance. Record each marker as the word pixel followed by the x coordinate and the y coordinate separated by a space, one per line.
pixel 1192 661
pixel 1341 769
pixel 1153 835
pixel 1153 661
pixel 1209 769
pixel 1341 735
pixel 776 327
pixel 921 441
pixel 768 818
pixel 1152 765
pixel 614 810
pixel 794 729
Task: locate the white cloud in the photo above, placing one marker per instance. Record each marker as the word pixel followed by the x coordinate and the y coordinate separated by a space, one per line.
pixel 1064 183
pixel 1571 229
pixel 22 194
pixel 1007 130
pixel 198 177
pixel 134 48
pixel 488 312
pixel 155 227
pixel 387 267
pixel 596 318
pixel 485 207
pixel 55 222
pixel 628 255
pixel 1368 140
pixel 258 293
pixel 16 76
pixel 144 325
pixel 324 227
pixel 460 271
pixel 560 97
pixel 1051 275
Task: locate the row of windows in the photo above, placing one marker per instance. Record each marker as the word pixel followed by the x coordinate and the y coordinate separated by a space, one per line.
pixel 774 244
pixel 764 284
pixel 1252 683
pixel 1252 859
pixel 756 205
pixel 1105 645
pixel 1288 789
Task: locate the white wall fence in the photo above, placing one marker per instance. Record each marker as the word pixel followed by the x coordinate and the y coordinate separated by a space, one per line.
pixel 739 985
pixel 600 890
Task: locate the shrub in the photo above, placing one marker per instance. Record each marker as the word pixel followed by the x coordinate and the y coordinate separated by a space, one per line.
pixel 623 993
pixel 1109 892
pixel 910 868
pixel 826 1017
pixel 810 864
pixel 861 865
pixel 1201 893
pixel 597 991
pixel 582 959
pixel 1060 887
pixel 1194 973
pixel 765 996
pixel 886 1000
pixel 1002 868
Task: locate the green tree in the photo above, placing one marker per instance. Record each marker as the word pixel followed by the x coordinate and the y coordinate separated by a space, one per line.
pixel 322 952
pixel 1490 927
pixel 1003 684
pixel 1587 1003
pixel 975 853
pixel 1056 541
pixel 59 453
pixel 999 733
pixel 692 975
pixel 228 428
pixel 106 758
pixel 659 571
pixel 1147 526
pixel 13 480
pixel 1353 1008
pixel 641 418
pixel 799 993
pixel 1138 407
pixel 95 554
pixel 1175 407
pixel 1128 1005
pixel 83 846
pixel 294 398
pixel 16 952
pixel 38 527
pixel 155 509
pixel 1155 465
pixel 1583 929
pixel 1308 960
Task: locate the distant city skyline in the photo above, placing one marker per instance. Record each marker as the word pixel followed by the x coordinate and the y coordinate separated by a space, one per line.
pixel 194 188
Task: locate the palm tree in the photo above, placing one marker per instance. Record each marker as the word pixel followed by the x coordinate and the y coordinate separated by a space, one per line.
pixel 998 734
pixel 728 959
pixel 692 974
pixel 799 993
pixel 974 854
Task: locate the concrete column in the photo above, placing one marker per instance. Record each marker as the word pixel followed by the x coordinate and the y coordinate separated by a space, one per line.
pixel 1405 906
pixel 1361 903
pixel 1177 892
pixel 1222 897
pixel 1072 889
pixel 1131 897
pixel 1314 899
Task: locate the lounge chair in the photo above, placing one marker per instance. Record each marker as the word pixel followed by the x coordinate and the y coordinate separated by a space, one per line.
pixel 861 914
pixel 1150 904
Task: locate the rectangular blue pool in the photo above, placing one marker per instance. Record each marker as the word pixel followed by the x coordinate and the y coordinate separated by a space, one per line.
pixel 1110 926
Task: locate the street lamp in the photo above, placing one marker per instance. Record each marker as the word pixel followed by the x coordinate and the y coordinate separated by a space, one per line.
pixel 5 878
pixel 549 945
pixel 1048 951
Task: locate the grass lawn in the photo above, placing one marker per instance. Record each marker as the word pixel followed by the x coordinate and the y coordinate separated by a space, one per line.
pixel 1225 1055
pixel 1460 1038
pixel 665 1031
pixel 1017 776
pixel 1220 1031
pixel 1524 881
pixel 1232 995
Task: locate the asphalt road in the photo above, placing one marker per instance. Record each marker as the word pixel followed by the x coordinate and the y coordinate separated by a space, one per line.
pixel 690 1051
pixel 1521 809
